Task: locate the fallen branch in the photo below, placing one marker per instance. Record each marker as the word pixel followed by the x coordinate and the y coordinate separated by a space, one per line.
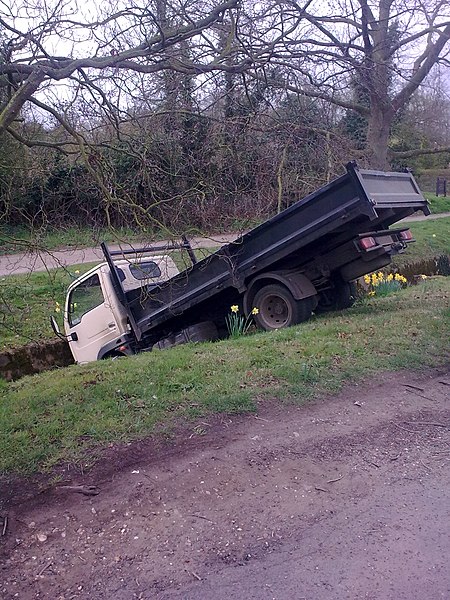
pixel 414 387
pixel 5 525
pixel 202 517
pixel 426 423
pixel 395 457
pixel 194 574
pixel 403 428
pixel 370 462
pixel 337 479
pixel 320 489
pixel 420 395
pixel 86 490
pixel 45 568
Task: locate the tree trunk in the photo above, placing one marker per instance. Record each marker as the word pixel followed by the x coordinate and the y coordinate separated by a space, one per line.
pixel 378 130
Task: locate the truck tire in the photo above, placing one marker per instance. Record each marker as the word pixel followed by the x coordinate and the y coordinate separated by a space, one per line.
pixel 206 331
pixel 341 296
pixel 277 308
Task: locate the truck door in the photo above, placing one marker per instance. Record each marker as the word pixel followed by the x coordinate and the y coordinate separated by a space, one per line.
pixel 91 318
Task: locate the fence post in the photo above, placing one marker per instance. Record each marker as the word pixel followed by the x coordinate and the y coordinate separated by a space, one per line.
pixel 441 187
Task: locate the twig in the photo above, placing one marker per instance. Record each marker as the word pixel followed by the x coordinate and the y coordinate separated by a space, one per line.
pixel 424 465
pixel 371 463
pixel 5 525
pixel 86 490
pixel 320 489
pixel 404 428
pixel 395 457
pixel 45 568
pixel 444 382
pixel 414 387
pixel 202 517
pixel 420 395
pixel 261 419
pixel 425 423
pixel 194 574
pixel 337 479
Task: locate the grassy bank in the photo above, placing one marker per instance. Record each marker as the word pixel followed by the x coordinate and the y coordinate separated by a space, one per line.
pixel 438 204
pixel 21 239
pixel 61 415
pixel 432 239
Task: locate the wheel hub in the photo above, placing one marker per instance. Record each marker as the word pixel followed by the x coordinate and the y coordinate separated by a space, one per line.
pixel 274 311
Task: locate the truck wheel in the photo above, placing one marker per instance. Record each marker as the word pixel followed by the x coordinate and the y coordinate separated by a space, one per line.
pixel 206 331
pixel 278 308
pixel 342 295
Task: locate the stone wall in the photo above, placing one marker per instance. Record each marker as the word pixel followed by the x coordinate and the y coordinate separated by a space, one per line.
pixel 34 358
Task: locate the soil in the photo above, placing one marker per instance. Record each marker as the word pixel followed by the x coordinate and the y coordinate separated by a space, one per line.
pixel 347 497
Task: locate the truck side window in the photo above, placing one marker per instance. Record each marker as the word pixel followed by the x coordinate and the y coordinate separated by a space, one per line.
pixel 145 270
pixel 84 298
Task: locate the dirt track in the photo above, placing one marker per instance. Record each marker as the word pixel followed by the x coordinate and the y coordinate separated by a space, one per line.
pixel 345 498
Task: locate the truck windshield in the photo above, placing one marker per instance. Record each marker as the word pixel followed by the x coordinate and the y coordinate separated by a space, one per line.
pixel 86 296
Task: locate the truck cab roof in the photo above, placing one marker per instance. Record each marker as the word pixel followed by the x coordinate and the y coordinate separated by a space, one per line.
pixel 136 272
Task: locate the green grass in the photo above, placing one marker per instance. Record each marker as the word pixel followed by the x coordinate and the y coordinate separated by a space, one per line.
pixel 432 239
pixel 21 239
pixel 68 414
pixel 27 301
pixel 438 204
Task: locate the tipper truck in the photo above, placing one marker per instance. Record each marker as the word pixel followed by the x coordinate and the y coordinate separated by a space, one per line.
pixel 305 259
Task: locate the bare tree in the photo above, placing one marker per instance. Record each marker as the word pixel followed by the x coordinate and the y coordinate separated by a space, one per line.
pixel 51 42
pixel 384 48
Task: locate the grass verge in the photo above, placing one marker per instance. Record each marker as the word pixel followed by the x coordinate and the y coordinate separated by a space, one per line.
pixel 65 415
pixel 20 239
pixel 432 239
pixel 438 204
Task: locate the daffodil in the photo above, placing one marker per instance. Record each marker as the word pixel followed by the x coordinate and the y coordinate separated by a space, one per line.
pixel 235 308
pixel 255 311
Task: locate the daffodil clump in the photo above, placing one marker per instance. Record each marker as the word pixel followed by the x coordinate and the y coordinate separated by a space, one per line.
pixel 383 285
pixel 237 324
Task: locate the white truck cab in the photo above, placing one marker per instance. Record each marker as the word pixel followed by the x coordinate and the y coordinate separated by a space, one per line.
pixel 95 321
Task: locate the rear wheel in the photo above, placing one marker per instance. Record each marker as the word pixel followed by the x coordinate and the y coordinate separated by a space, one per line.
pixel 206 331
pixel 341 295
pixel 277 308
